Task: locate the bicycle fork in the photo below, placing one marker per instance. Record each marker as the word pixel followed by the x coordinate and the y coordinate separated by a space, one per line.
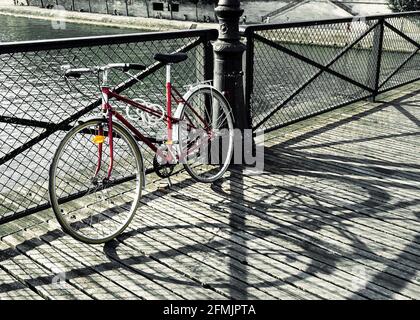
pixel 169 142
pixel 99 139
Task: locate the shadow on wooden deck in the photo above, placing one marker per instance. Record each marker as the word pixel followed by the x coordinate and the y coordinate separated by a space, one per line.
pixel 335 214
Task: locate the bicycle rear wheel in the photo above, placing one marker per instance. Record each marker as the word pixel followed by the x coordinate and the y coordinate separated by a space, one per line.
pixel 205 134
pixel 89 206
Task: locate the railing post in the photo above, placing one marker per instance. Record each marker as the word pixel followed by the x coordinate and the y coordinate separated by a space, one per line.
pixel 378 39
pixel 126 8
pixel 228 73
pixel 249 73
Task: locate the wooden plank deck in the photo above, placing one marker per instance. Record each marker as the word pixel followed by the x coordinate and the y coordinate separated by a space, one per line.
pixel 335 215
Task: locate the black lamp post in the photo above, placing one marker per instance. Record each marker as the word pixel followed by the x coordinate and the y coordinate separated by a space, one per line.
pixel 228 73
pixel 228 49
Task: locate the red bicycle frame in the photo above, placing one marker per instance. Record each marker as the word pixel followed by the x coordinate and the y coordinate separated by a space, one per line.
pixel 171 95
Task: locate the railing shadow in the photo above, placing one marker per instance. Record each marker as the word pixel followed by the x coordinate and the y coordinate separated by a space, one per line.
pixel 289 211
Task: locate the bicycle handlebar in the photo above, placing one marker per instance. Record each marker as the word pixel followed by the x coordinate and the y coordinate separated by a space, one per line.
pixel 77 73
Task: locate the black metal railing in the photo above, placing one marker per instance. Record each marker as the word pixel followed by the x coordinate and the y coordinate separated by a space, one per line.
pixel 37 106
pixel 298 70
pixel 293 71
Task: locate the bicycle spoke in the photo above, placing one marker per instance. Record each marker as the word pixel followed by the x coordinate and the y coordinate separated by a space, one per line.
pixel 208 150
pixel 103 207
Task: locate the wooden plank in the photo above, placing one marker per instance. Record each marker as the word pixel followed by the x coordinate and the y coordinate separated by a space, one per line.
pixel 34 275
pixel 113 278
pixel 333 216
pixel 268 223
pixel 12 289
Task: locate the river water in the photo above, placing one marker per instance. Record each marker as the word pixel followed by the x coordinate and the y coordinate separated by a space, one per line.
pixel 22 29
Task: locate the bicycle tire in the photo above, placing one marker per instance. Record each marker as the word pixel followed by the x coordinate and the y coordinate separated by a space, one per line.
pixel 198 96
pixel 128 175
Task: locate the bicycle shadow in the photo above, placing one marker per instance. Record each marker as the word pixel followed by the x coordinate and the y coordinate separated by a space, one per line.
pixel 292 216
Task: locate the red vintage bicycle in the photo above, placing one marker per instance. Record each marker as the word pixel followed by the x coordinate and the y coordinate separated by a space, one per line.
pixel 97 174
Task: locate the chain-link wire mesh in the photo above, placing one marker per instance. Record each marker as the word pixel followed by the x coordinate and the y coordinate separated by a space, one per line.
pixel 301 69
pixel 293 71
pixel 37 107
pixel 400 54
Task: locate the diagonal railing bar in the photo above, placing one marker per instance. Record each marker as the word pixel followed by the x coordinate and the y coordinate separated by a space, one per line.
pixel 156 66
pixel 401 34
pixel 120 88
pixel 319 56
pixel 370 63
pixel 48 132
pixel 25 193
pixel 308 116
pixel 398 85
pixel 389 77
pixel 311 62
pixel 316 75
pixel 26 122
pixel 45 206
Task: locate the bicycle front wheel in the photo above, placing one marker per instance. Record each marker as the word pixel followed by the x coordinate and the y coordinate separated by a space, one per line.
pixel 89 206
pixel 206 134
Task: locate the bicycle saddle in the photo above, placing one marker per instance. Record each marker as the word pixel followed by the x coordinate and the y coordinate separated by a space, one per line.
pixel 171 57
